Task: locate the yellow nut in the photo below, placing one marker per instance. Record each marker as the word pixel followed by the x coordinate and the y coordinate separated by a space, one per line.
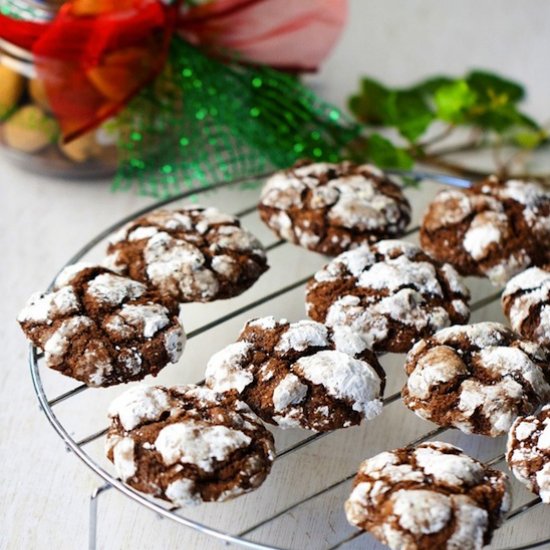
pixel 11 89
pixel 82 148
pixel 29 129
pixel 38 94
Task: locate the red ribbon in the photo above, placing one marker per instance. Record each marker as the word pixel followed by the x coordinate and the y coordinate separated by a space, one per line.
pixel 97 54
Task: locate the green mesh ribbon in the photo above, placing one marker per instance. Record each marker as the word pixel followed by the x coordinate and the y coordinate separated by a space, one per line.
pixel 203 120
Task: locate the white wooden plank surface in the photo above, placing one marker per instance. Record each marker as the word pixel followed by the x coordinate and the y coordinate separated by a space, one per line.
pixel 44 490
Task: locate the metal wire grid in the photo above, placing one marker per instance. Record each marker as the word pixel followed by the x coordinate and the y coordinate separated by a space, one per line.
pixel 78 446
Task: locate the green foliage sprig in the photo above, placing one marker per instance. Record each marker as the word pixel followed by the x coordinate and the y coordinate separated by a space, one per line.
pixel 484 103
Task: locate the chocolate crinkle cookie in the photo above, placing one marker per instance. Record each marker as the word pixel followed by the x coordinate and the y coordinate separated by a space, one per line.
pixel 429 497
pixel 526 303
pixel 389 293
pixel 101 328
pixel 298 375
pixel 528 452
pixel 330 208
pixel 187 444
pixel 193 254
pixel 478 378
pixel 494 229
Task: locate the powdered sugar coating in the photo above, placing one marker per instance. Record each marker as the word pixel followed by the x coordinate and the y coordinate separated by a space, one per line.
pixel 187 444
pixel 388 288
pixel 477 378
pixel 138 405
pixel 196 444
pixel 42 308
pixel 345 378
pixel 296 375
pixel 331 207
pixel 526 303
pixel 191 254
pixel 528 452
pixel 103 328
pixel 430 496
pixel 495 229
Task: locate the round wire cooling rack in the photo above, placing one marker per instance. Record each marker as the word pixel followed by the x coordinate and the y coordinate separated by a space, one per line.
pixel 303 506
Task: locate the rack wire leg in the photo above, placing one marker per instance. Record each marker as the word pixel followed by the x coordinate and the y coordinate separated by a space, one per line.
pixel 92 530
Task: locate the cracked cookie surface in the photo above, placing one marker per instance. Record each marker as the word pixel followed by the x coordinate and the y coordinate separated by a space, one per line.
pixel 528 452
pixel 478 378
pixel 187 444
pixel 526 303
pixel 101 328
pixel 427 497
pixel 330 208
pixel 192 255
pixel 495 229
pixel 297 375
pixel 389 293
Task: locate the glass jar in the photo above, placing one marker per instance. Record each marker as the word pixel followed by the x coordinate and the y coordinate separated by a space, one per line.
pixel 29 131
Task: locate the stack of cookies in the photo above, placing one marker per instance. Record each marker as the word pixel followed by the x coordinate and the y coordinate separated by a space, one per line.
pixel 118 322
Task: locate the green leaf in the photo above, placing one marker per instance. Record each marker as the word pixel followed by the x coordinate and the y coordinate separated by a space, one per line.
pixel 453 101
pixel 529 139
pixel 369 105
pixel 489 86
pixel 384 153
pixel 432 84
pixel 409 112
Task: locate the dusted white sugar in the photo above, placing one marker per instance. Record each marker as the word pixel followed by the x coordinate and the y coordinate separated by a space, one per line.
pixel 114 289
pixel 389 247
pixel 544 439
pixel 198 444
pixel 496 402
pixel 235 238
pixel 282 224
pixel 170 259
pixel 530 279
pixel 289 391
pixel 151 317
pixel 142 233
pixel 395 273
pixel 453 279
pixel 471 524
pixel 282 191
pixel 421 512
pixel 182 492
pixel 227 369
pixel 266 323
pixel 123 458
pixel 347 316
pixel 58 343
pixel 460 470
pixel 527 193
pixel 524 430
pixel 508 361
pixel 42 309
pixel 301 335
pixel 139 404
pixel 70 272
pixel 481 335
pixel 360 205
pixel 225 265
pixel 354 261
pixel 344 378
pixel 174 342
pixel 485 229
pixel 439 365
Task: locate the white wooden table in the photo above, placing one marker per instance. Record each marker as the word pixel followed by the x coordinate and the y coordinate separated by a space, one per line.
pixel 44 491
